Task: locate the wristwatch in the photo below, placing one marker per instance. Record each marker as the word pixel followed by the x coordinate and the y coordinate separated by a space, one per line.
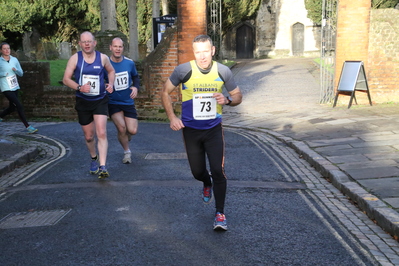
pixel 229 100
pixel 78 88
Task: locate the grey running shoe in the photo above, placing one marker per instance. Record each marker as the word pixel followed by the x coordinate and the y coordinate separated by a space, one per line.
pixel 127 158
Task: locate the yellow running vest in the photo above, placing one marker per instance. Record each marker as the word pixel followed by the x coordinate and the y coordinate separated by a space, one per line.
pixel 199 109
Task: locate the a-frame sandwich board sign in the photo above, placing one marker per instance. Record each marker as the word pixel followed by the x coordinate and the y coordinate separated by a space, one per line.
pixel 352 79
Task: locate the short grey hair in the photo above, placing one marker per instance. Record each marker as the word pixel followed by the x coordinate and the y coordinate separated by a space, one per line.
pixel 203 38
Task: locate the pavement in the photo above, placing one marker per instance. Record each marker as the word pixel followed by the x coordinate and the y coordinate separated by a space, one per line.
pixel 355 149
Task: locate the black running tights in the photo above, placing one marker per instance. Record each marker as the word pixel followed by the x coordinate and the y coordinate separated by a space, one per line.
pixel 207 143
pixel 12 97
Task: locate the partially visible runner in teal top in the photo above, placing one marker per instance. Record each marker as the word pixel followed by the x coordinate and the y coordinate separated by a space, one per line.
pixel 10 68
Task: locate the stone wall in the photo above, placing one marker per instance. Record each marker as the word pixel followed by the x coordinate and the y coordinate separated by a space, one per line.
pixel 383 55
pixel 104 40
pixel 265 30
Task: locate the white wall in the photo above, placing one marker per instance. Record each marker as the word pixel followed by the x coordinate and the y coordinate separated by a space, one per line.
pixel 289 13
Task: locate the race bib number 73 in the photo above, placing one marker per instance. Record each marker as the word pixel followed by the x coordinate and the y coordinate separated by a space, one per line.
pixel 204 106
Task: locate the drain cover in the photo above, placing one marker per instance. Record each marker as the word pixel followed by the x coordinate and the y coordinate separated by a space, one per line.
pixel 32 219
pixel 165 156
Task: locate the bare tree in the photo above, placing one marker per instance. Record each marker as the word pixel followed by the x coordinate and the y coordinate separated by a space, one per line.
pixel 133 31
pixel 155 8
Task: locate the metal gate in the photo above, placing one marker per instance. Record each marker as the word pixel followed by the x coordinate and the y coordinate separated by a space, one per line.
pixel 215 24
pixel 327 58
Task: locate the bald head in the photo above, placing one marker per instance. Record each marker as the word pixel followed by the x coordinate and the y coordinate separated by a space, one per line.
pixel 116 49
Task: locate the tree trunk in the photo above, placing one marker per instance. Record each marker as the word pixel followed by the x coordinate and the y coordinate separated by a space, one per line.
pixel 133 31
pixel 155 8
pixel 108 15
pixel 165 7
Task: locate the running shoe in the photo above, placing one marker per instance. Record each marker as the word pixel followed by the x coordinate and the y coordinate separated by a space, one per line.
pixel 127 157
pixel 31 129
pixel 220 222
pixel 94 166
pixel 103 173
pixel 207 195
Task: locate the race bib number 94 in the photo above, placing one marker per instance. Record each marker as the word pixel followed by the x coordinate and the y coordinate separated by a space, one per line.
pixel 94 81
pixel 204 106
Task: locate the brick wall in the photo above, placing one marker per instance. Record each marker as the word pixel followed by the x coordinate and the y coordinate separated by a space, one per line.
pixel 40 100
pixel 192 22
pixel 383 55
pixel 156 69
pixel 352 33
pixel 371 36
pixel 56 102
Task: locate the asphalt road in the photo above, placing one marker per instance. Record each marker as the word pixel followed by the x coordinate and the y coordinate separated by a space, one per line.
pixel 150 212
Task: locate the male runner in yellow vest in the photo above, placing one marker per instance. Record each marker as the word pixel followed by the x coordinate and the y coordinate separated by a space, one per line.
pixel 202 82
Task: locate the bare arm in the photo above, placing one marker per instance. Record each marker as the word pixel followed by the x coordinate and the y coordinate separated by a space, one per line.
pixel 111 73
pixel 70 68
pixel 235 95
pixel 175 122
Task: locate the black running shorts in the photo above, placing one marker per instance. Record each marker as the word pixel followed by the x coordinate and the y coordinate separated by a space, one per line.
pixel 128 110
pixel 86 109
